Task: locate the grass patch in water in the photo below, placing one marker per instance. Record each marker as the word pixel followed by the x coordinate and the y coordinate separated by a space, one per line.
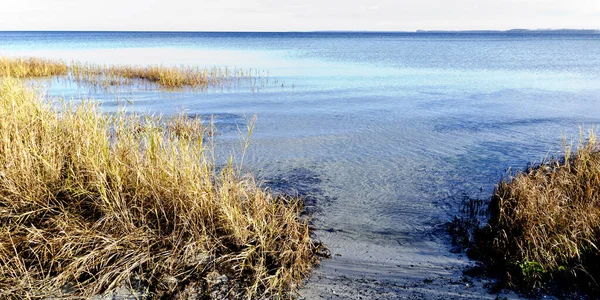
pixel 165 77
pixel 543 230
pixel 32 67
pixel 91 202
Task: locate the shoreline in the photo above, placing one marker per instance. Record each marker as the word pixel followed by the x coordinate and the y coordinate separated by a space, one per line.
pixel 376 252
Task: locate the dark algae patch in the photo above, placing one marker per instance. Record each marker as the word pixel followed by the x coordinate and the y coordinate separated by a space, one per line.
pixel 302 182
pixel 543 226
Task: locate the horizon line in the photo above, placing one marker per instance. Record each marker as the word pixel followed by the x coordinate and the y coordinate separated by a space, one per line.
pixel 512 30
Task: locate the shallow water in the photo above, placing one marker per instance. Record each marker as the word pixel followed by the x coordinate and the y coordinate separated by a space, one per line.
pixel 386 132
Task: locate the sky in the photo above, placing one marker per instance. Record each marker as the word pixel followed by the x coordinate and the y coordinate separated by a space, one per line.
pixel 298 15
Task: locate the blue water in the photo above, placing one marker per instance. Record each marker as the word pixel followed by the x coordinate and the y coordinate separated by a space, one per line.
pixel 386 130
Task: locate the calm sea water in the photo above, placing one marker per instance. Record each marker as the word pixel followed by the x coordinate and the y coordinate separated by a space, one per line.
pixel 386 130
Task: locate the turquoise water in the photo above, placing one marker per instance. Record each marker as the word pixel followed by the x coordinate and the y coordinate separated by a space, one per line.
pixel 386 131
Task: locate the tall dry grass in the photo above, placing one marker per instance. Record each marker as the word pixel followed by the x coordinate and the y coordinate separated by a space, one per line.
pixel 167 77
pixel 545 221
pixel 91 202
pixel 31 67
pixel 103 76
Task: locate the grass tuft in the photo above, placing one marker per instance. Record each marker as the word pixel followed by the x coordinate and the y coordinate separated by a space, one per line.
pixel 31 67
pixel 91 202
pixel 544 224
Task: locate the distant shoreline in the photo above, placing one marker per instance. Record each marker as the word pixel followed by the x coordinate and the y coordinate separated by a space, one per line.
pixel 519 31
pixel 420 31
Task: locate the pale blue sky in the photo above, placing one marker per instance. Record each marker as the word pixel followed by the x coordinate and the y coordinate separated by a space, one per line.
pixel 300 15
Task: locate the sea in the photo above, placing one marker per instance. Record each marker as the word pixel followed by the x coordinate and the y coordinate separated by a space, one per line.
pixel 384 133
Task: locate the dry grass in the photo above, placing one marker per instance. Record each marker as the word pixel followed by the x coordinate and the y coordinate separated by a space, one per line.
pixel 104 76
pixel 188 127
pixel 31 67
pixel 545 221
pixel 164 77
pixel 90 202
